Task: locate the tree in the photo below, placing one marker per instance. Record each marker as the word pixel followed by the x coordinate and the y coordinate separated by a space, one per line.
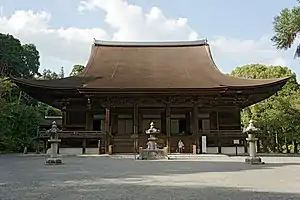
pixel 18 125
pixel 61 73
pixel 287 28
pixel 20 114
pixel 77 69
pixel 279 115
pixel 31 59
pixel 49 75
pixel 17 60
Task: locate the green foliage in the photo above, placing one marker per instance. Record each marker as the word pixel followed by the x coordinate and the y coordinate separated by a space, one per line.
pixel 77 69
pixel 286 27
pixel 18 125
pixel 8 91
pixel 31 59
pixel 48 75
pixel 61 73
pixel 17 60
pixel 20 114
pixel 279 115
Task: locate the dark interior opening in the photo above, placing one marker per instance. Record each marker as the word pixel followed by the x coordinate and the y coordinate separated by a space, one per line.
pixel 182 125
pixel 97 125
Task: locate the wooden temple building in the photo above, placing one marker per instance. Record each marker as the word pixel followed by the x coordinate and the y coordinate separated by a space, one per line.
pixel 126 85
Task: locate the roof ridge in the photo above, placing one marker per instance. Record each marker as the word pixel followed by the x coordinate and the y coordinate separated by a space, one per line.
pixel 151 44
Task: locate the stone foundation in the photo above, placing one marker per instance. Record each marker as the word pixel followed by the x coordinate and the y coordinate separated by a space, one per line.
pixel 254 161
pixel 155 154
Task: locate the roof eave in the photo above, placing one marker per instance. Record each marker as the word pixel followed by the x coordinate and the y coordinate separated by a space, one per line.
pixel 18 82
pixel 151 44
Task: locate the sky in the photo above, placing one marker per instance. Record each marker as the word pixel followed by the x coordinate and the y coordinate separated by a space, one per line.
pixel 238 31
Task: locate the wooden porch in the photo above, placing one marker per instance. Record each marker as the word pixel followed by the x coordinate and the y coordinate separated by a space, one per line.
pixel 129 143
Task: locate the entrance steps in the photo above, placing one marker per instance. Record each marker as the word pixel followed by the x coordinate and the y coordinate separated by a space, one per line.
pixel 172 156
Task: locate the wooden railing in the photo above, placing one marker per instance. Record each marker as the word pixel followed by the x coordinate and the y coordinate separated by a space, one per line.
pixel 74 134
pixel 101 134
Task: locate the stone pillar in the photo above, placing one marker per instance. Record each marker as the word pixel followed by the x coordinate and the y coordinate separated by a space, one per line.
pixel 252 159
pixel 252 145
pixel 196 127
pixel 168 126
pixel 54 141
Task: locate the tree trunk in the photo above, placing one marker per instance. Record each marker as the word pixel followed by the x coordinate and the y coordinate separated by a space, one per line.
pixel 277 143
pixel 295 146
pixel 287 146
pixel 264 146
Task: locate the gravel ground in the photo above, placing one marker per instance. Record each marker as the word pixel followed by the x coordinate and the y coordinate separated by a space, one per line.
pixel 95 178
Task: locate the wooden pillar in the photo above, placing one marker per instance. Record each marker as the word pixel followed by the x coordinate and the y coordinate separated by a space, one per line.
pixel 108 128
pixel 37 146
pixel 83 146
pixel 88 123
pixel 245 146
pixel 219 142
pixel 188 122
pixel 168 126
pixel 64 117
pixel 196 126
pixel 45 145
pixel 135 127
pixel 89 117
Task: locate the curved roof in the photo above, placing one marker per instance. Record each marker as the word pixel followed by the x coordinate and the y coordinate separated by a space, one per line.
pixel 159 65
pixel 151 65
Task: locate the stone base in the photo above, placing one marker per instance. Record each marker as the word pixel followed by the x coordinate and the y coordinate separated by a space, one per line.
pixel 254 161
pixel 156 154
pixel 54 161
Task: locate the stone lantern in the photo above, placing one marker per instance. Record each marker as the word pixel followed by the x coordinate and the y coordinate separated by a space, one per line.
pixel 251 130
pixel 54 141
pixel 152 152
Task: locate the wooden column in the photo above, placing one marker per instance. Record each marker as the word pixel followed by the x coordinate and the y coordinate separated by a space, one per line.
pixel 88 123
pixel 108 129
pixel 89 116
pixel 45 146
pixel 219 141
pixel 188 122
pixel 245 146
pixel 135 127
pixel 168 126
pixel 83 146
pixel 64 117
pixel 196 127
